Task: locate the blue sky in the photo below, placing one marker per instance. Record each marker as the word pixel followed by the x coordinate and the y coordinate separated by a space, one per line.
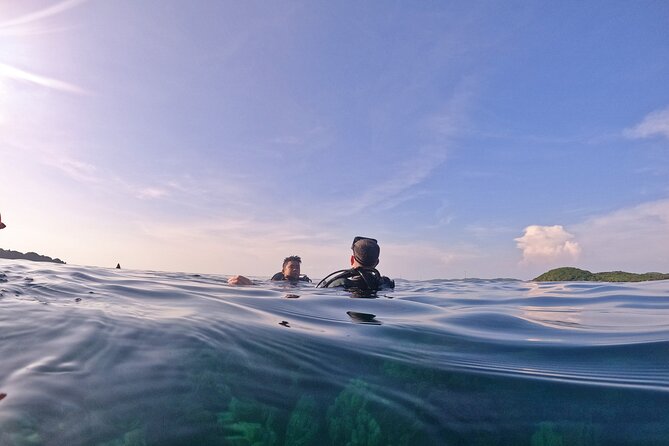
pixel 478 139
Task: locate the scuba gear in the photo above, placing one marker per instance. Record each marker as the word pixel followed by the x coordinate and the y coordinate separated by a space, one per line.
pixel 362 279
pixel 281 276
pixel 357 238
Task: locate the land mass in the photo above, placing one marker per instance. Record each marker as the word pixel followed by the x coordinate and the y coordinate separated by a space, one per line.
pixel 569 274
pixel 8 254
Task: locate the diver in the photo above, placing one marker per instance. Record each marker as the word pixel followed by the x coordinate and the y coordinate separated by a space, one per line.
pixel 290 271
pixel 363 275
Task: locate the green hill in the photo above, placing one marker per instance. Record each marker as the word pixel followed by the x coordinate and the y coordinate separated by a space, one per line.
pixel 570 274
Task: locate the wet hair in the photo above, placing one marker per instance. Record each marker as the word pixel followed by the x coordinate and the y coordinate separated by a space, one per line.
pixel 366 252
pixel 291 259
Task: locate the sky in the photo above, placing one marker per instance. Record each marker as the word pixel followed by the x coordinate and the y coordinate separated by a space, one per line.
pixel 471 138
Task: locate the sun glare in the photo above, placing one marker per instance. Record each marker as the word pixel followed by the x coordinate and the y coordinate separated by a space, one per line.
pixel 13 31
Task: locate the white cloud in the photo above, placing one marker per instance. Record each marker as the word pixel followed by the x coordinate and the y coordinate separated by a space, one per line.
pixel 654 124
pixel 546 244
pixel 634 239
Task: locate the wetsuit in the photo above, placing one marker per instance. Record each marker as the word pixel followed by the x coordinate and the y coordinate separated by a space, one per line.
pixel 360 279
pixel 280 276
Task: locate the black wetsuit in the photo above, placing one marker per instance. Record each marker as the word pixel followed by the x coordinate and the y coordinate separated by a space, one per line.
pixel 359 279
pixel 280 276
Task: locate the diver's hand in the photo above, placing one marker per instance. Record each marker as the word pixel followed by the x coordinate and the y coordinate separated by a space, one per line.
pixel 240 280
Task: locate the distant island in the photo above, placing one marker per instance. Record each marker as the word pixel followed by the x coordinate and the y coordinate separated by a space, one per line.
pixel 569 274
pixel 8 254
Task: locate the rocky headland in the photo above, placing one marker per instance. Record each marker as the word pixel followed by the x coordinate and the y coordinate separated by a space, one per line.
pixel 9 254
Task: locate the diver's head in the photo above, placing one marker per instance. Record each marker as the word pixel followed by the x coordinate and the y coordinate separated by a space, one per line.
pixel 291 267
pixel 365 252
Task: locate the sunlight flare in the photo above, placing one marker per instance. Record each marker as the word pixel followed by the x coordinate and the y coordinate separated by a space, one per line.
pixel 10 72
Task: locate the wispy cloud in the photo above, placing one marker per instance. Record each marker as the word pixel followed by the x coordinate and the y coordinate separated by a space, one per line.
pixel 435 261
pixel 78 170
pixel 36 30
pixel 41 14
pixel 654 124
pixel 287 140
pixel 394 190
pixel 440 129
pixel 635 219
pixel 545 244
pixel 486 231
pixel 298 144
pixel 14 73
pixel 236 243
pixel 152 193
pixel 634 238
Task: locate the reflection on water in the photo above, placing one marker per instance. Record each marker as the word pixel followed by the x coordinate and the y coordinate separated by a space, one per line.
pixel 111 357
pixel 363 318
pixel 554 316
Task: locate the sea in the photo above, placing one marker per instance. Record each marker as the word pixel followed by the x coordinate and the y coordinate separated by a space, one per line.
pixel 115 357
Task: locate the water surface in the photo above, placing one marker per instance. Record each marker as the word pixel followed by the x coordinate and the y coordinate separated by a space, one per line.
pixel 94 356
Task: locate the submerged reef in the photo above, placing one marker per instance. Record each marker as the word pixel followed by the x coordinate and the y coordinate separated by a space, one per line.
pixel 350 422
pixel 33 256
pixel 570 274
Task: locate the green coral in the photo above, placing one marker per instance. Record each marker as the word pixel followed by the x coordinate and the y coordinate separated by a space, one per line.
pixel 303 425
pixel 135 437
pixel 571 434
pixel 350 422
pixel 547 435
pixel 249 423
pixel 22 432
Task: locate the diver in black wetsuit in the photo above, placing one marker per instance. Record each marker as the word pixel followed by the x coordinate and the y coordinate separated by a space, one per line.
pixel 291 270
pixel 363 275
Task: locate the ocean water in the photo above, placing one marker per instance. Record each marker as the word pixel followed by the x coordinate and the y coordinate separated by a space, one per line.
pixel 95 356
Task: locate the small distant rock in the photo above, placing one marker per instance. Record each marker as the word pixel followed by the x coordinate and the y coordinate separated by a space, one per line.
pixel 118 266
